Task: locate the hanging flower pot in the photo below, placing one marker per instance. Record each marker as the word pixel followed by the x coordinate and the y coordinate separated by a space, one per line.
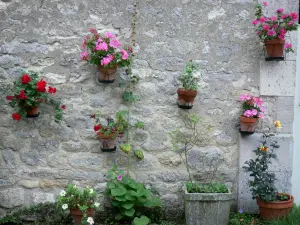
pixel 275 209
pixel 275 48
pixel 248 124
pixel 107 75
pixel 32 112
pixel 108 142
pixel 77 215
pixel 186 98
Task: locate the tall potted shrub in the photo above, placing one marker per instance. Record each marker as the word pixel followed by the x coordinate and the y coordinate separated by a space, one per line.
pixel 29 91
pixel 190 83
pixel 252 112
pixel 271 203
pixel 80 202
pixel 272 30
pixel 208 202
pixel 104 51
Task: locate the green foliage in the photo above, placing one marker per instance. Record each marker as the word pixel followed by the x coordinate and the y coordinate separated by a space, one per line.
pixel 74 197
pixel 292 219
pixel 129 196
pixel 130 97
pixel 26 95
pixel 213 187
pixel 143 220
pixel 126 148
pixel 262 185
pixel 42 214
pixel 138 154
pixel 189 78
pixel 237 218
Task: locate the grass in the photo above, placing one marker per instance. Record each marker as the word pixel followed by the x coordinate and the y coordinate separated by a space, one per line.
pixel 249 219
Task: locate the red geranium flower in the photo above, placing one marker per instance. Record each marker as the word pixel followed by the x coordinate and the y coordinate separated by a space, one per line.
pixel 97 127
pixel 25 79
pixel 41 86
pixel 9 98
pixel 63 107
pixel 16 116
pixel 22 95
pixel 51 90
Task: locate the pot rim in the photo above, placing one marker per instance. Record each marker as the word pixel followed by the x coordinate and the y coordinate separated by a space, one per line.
pixel 113 67
pixel 277 202
pixel 275 41
pixel 250 119
pixel 112 136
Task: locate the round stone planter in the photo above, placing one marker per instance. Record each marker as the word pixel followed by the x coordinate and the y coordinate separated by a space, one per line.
pixel 248 125
pixel 207 208
pixel 77 215
pixel 107 75
pixel 275 48
pixel 108 142
pixel 275 210
pixel 186 98
pixel 32 112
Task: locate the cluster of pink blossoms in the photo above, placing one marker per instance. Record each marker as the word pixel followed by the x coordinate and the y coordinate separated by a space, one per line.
pixel 103 50
pixel 252 106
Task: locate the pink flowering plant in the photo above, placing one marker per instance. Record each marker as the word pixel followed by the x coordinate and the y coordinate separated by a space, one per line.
pixel 104 50
pixel 275 27
pixel 252 106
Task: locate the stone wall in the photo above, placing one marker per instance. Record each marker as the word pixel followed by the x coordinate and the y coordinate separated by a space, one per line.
pixel 39 156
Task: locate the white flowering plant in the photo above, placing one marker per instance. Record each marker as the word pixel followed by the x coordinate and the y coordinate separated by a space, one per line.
pixel 76 198
pixel 190 77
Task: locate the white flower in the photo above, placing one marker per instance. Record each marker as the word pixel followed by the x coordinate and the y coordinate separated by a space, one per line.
pixel 65 206
pixel 90 220
pixel 96 204
pixel 62 193
pixel 91 191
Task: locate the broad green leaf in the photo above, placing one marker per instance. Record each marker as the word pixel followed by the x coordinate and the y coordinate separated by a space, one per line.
pixel 118 191
pixel 143 220
pixel 129 212
pixel 127 205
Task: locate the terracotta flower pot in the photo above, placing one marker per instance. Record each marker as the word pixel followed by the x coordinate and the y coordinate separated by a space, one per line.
pixel 77 215
pixel 275 210
pixel 275 48
pixel 248 124
pixel 108 142
pixel 33 112
pixel 186 98
pixel 107 75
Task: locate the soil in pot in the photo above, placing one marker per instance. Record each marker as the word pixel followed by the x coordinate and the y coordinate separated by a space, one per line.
pixel 77 215
pixel 275 48
pixel 108 142
pixel 107 75
pixel 248 125
pixel 276 209
pixel 33 112
pixel 186 98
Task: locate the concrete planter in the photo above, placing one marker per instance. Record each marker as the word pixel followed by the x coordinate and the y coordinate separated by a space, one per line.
pixel 207 208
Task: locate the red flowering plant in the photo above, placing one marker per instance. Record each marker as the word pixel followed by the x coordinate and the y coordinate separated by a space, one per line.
pixel 275 27
pixel 105 125
pixel 104 50
pixel 29 92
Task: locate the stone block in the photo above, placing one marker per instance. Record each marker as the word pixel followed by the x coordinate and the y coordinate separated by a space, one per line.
pixel 42 197
pixel 29 184
pixel 277 78
pixel 285 113
pixel 85 161
pixel 11 198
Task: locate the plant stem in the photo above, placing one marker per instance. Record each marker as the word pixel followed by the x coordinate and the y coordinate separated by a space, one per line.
pixel 186 163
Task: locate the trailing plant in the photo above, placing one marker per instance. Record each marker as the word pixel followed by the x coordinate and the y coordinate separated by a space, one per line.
pixel 252 106
pixel 104 50
pixel 189 77
pixel 123 123
pixel 274 27
pixel 130 197
pixel 30 91
pixel 184 139
pixel 263 183
pixel 76 198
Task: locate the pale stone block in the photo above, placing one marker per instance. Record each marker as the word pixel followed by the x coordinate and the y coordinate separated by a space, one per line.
pixel 285 113
pixel 277 78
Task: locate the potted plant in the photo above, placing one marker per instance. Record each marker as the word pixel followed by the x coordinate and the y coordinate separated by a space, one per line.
pixel 208 202
pixel 130 198
pixel 272 30
pixel 190 83
pixel 29 91
pixel 252 112
pixel 80 202
pixel 104 51
pixel 272 204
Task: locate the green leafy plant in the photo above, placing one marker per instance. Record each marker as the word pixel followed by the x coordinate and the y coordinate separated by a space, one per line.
pixel 76 198
pixel 30 91
pixel 189 78
pixel 130 197
pixel 183 140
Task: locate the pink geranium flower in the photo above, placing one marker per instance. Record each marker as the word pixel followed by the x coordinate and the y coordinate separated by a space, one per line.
pixel 254 22
pixel 109 35
pixel 114 43
pixel 271 33
pixel 280 10
pixel 245 97
pixel 84 56
pixel 106 60
pixel 102 46
pixel 288 45
pixel 248 113
pixel 294 16
pixel 284 16
pixel 266 27
pixel 291 23
pixel 265 3
pixel 273 18
pixel 125 54
pixel 262 19
pixel 258 101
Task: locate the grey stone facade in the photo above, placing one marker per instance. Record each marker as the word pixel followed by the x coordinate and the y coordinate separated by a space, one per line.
pixel 39 156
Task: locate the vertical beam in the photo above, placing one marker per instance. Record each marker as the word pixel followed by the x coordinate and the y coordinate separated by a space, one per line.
pixel 296 131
